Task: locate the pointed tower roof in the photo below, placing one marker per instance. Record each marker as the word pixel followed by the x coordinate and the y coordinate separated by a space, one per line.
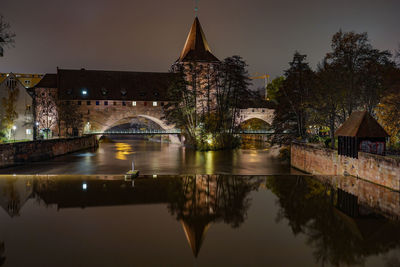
pixel 195 234
pixel 196 47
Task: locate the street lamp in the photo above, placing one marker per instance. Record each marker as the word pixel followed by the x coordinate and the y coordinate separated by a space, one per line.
pixel 14 128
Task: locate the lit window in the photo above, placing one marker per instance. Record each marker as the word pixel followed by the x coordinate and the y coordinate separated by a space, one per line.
pixel 28 131
pixel 154 104
pixel 134 103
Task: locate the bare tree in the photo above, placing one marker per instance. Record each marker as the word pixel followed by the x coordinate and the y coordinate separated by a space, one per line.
pixel 6 35
pixel 46 111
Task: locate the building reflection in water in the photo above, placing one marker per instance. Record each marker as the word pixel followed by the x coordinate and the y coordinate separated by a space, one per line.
pixel 200 200
pixel 335 216
pixel 344 219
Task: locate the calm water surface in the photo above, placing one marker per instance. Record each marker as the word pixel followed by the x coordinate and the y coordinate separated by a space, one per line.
pixel 192 220
pixel 158 158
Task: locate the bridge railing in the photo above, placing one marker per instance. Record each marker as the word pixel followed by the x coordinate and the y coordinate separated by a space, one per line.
pixel 133 132
pixel 170 131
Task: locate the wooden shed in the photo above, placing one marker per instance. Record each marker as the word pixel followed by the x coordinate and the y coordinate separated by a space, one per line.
pixel 361 132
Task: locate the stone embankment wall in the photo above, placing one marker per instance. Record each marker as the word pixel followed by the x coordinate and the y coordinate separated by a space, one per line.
pixel 374 168
pixel 17 153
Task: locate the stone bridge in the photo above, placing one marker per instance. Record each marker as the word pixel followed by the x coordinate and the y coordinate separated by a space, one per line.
pixel 102 117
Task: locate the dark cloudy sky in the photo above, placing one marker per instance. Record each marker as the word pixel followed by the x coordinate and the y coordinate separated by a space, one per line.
pixel 147 35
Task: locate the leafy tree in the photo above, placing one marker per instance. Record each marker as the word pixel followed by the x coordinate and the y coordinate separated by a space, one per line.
pixel 388 110
pixel 326 100
pixel 205 102
pixel 181 108
pixel 69 117
pixel 293 98
pixel 360 70
pixel 6 35
pixel 274 87
pixel 9 106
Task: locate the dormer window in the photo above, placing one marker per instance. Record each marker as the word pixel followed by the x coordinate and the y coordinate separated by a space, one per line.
pixel 104 91
pixel 123 92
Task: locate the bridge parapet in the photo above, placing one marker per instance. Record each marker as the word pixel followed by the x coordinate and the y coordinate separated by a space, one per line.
pixel 264 114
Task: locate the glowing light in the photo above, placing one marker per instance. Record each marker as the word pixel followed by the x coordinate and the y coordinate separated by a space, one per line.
pixel 14 127
pixel 84 92
pixel 154 175
pixel 154 104
pixel 37 123
pixel 134 103
pixel 123 149
pixel 209 141
pixel 84 186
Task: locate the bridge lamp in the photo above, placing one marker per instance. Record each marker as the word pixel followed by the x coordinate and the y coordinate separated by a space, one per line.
pixel 14 127
pixel 154 175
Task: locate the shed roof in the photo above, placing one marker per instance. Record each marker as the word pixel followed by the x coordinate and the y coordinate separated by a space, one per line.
pixel 361 124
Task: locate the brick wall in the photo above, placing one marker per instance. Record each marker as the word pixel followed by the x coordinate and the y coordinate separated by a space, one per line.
pixel 23 152
pixel 374 168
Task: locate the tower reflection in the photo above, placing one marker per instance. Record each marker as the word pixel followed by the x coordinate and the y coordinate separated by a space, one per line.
pixel 344 219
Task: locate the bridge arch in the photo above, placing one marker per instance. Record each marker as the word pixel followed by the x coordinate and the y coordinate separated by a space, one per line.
pixel 127 118
pixel 264 114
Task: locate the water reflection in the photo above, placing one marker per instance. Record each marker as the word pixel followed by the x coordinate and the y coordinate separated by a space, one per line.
pixel 122 150
pixel 340 227
pixel 344 220
pixel 151 157
pixel 198 201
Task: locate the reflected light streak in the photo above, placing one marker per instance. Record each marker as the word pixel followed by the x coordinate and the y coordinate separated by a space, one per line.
pixel 123 149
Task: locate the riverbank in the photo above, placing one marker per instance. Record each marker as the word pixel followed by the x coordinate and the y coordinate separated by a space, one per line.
pixel 377 169
pixel 12 154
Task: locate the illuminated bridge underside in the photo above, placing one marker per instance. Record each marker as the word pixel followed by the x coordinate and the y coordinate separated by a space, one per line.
pixel 172 131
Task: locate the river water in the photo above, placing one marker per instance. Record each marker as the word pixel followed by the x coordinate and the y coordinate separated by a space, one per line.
pixel 159 158
pixel 188 209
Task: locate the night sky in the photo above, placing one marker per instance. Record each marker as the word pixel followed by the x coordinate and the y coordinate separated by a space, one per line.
pixel 148 35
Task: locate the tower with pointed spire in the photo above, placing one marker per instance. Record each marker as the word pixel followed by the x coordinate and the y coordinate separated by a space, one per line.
pixel 196 47
pixel 200 67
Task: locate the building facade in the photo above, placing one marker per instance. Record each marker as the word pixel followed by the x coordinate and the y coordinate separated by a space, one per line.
pixel 75 102
pixel 16 109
